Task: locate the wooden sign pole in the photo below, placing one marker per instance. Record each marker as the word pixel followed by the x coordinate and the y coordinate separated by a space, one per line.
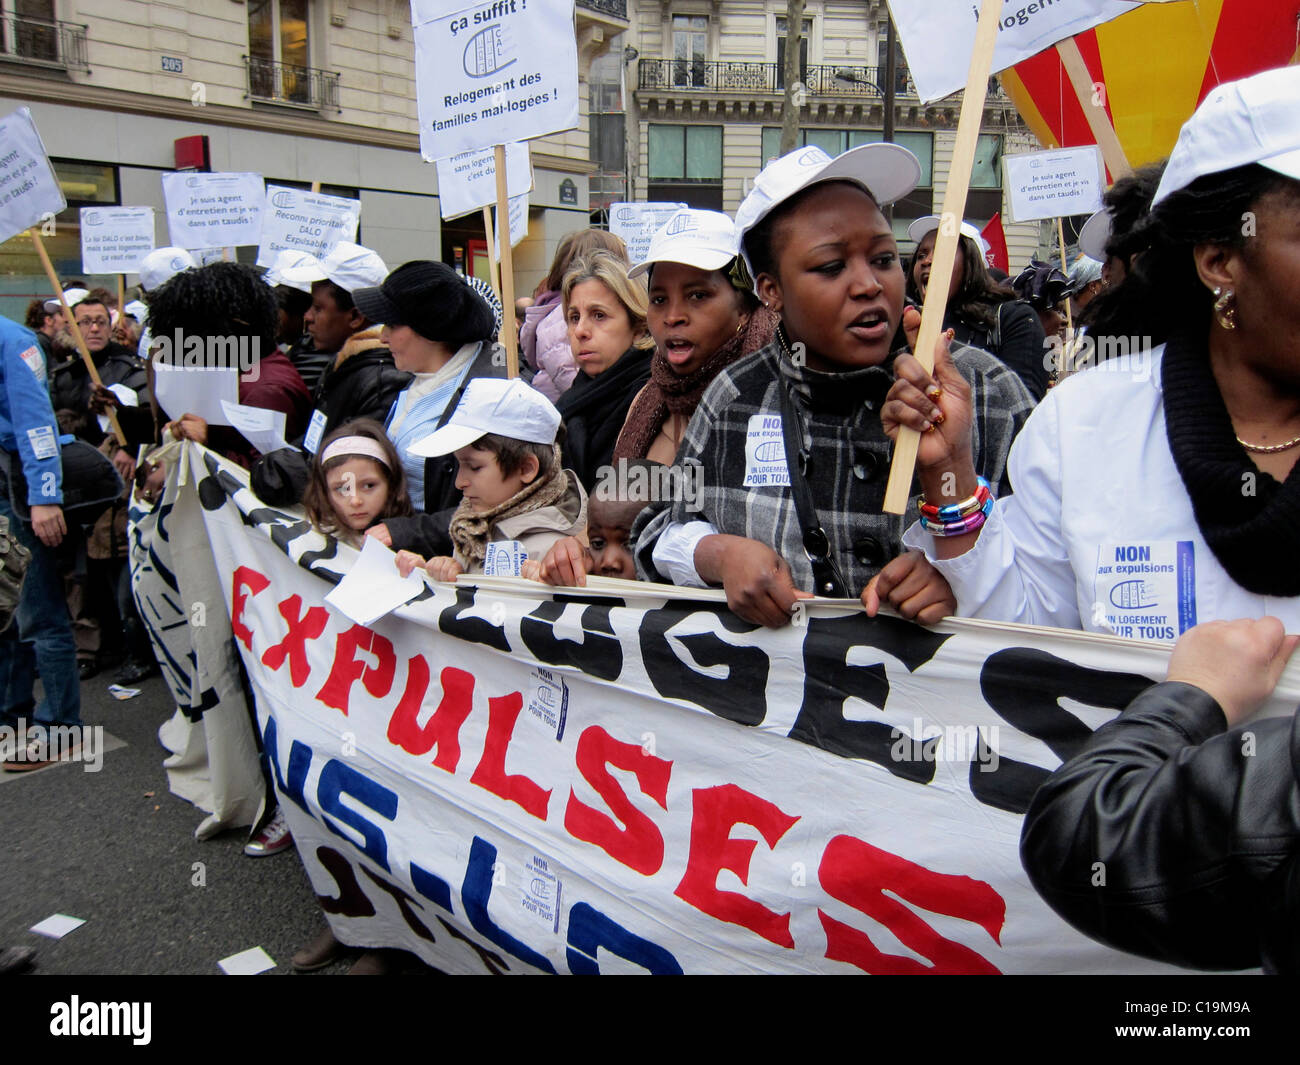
pixel 507 265
pixel 899 488
pixel 494 276
pixel 76 330
pixel 1093 110
pixel 1065 269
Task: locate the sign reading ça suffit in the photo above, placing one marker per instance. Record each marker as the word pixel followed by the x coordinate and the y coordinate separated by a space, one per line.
pixel 503 780
pixel 468 181
pixel 938 36
pixel 299 220
pixel 636 224
pixel 115 239
pixel 1056 183
pixel 213 210
pixel 29 190
pixel 492 73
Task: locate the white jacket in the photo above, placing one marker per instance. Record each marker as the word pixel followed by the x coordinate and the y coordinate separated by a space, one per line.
pixel 1100 533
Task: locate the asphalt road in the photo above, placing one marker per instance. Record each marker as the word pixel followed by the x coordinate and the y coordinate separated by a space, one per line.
pixel 117 849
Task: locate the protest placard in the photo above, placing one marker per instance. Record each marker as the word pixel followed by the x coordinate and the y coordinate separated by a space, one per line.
pixel 213 210
pixel 492 73
pixel 518 217
pixel 636 224
pixel 1055 183
pixel 468 181
pixel 298 220
pixel 28 188
pixel 938 36
pixel 115 239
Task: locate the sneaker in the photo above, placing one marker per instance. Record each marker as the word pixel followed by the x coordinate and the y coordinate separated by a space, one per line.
pixel 32 757
pixel 273 838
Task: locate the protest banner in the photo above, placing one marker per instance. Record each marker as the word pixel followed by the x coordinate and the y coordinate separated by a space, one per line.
pixel 938 36
pixel 491 73
pixel 507 780
pixel 1053 184
pixel 468 181
pixel 115 239
pixel 297 220
pixel 29 189
pixel 518 219
pixel 213 210
pixel 636 223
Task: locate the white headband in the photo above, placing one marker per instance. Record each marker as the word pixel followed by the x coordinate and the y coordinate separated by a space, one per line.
pixel 356 445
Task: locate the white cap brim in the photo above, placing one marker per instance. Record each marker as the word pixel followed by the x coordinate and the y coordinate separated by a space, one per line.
pixel 1094 234
pixel 446 440
pixel 700 258
pixel 304 274
pixel 1287 163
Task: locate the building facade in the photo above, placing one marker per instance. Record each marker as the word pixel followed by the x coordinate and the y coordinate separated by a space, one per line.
pixel 300 91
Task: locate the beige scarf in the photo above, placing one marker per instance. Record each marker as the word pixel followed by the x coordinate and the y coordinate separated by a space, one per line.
pixel 469 529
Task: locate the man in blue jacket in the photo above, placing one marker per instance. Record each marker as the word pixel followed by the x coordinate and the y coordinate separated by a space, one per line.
pixel 41 634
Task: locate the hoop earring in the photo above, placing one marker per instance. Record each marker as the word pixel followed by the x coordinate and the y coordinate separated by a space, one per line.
pixel 1225 307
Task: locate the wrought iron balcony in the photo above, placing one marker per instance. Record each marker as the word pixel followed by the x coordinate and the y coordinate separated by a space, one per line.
pixel 704 75
pixel 284 83
pixel 43 43
pixel 617 8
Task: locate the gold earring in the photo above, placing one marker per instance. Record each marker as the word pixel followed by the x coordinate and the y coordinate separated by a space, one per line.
pixel 1225 307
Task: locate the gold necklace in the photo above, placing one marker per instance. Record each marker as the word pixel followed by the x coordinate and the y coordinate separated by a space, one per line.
pixel 1261 449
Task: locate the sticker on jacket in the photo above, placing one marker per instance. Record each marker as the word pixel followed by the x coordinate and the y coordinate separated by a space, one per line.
pixel 312 440
pixel 1145 590
pixel 765 452
pixel 504 558
pixel 43 443
pixel 33 357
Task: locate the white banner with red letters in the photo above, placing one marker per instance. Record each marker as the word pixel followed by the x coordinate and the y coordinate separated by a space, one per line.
pixel 578 783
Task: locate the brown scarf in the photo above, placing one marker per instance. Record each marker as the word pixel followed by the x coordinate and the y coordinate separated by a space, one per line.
pixel 469 529
pixel 670 393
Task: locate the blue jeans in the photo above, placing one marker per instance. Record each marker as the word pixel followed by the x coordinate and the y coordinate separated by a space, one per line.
pixel 40 638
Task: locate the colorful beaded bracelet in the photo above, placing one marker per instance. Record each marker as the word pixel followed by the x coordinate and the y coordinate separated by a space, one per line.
pixel 960 527
pixel 956 511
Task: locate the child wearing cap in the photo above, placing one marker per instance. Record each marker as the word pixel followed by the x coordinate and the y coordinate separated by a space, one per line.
pixel 514 487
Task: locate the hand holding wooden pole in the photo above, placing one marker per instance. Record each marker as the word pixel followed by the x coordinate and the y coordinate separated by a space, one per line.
pixel 899 488
pixel 76 329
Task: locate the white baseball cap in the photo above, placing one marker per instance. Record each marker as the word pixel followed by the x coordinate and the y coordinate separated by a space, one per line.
pixel 162 264
pixel 927 224
pixel 348 265
pixel 71 296
pixel 1254 120
pixel 300 263
pixel 493 405
pixel 887 171
pixel 137 310
pixel 1093 235
pixel 704 239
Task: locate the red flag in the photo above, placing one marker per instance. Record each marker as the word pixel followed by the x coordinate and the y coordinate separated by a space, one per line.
pixel 996 256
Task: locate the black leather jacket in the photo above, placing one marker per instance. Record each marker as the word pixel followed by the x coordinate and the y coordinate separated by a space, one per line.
pixel 1168 837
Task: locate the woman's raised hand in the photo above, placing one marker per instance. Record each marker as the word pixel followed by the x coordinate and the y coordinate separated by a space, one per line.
pixel 937 405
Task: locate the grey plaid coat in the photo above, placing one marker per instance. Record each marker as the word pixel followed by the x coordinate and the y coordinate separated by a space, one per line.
pixel 850 459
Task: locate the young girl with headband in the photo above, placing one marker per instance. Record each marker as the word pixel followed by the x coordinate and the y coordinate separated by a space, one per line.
pixel 356 481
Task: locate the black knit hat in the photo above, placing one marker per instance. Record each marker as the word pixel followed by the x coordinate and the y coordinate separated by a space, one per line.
pixel 432 299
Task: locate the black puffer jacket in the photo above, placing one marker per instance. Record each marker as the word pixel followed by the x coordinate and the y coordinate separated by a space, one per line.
pixel 71 389
pixel 1168 837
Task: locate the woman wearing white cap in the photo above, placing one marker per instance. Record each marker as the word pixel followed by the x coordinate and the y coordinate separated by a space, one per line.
pixel 980 311
pixel 1158 489
pixel 703 316
pixel 792 456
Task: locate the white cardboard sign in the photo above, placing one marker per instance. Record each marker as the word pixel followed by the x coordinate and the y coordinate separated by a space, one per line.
pixel 491 73
pixel 938 36
pixel 298 220
pixel 1052 184
pixel 213 210
pixel 468 181
pixel 636 224
pixel 115 239
pixel 518 217
pixel 28 188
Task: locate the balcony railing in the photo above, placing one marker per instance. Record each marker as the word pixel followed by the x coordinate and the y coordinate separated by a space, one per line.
pixel 728 76
pixel 45 43
pixel 617 8
pixel 284 83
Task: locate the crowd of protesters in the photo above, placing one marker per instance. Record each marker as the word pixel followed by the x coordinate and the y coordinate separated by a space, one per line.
pixel 794 324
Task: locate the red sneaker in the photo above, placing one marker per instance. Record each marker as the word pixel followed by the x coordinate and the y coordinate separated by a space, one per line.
pixel 273 838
